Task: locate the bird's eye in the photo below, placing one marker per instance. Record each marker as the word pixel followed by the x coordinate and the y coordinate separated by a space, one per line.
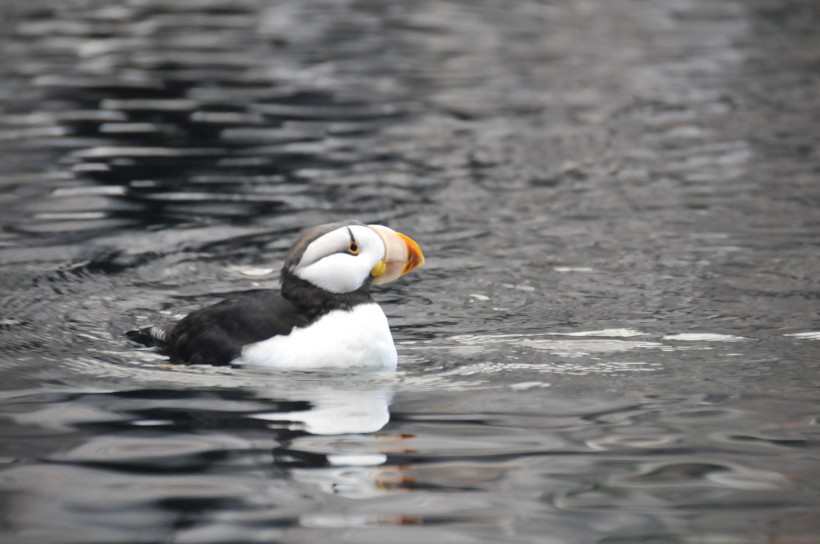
pixel 353 249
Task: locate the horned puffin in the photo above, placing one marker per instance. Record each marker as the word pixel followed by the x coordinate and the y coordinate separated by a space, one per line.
pixel 322 317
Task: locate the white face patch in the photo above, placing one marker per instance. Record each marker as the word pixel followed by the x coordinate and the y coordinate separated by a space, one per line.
pixel 327 264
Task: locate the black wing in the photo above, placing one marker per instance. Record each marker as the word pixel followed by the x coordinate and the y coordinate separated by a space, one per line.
pixel 215 334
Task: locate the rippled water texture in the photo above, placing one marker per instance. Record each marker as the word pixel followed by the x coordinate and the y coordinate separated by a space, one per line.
pixel 615 338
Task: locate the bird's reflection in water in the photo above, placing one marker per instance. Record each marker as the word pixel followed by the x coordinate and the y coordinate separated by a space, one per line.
pixel 257 451
pixel 335 443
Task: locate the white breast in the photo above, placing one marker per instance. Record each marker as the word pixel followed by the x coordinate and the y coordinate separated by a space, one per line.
pixel 358 338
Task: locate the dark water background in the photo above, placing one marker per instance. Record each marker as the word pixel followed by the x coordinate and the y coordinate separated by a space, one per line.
pixel 615 339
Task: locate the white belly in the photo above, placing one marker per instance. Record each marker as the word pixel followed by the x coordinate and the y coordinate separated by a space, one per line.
pixel 359 338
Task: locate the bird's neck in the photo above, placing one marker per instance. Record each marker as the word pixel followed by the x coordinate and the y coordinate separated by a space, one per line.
pixel 314 301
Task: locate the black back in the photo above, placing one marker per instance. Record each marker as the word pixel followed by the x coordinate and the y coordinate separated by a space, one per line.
pixel 216 334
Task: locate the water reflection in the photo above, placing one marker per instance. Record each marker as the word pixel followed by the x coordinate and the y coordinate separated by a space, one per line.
pixel 346 464
pixel 264 457
pixel 334 411
pixel 177 455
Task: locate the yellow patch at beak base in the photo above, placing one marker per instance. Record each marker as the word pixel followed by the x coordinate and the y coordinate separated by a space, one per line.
pixel 379 269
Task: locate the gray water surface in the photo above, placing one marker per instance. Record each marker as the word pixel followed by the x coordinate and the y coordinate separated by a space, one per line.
pixel 615 338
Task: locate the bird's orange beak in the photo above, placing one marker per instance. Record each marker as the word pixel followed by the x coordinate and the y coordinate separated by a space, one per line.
pixel 401 255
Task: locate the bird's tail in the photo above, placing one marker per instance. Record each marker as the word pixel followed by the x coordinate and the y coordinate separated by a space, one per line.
pixel 153 336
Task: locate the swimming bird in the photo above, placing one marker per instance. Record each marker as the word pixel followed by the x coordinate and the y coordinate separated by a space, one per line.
pixel 322 317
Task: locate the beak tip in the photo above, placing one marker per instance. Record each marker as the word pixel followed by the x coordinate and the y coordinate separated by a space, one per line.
pixel 415 258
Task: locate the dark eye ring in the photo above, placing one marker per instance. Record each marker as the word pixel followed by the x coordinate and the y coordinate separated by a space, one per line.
pixel 353 249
